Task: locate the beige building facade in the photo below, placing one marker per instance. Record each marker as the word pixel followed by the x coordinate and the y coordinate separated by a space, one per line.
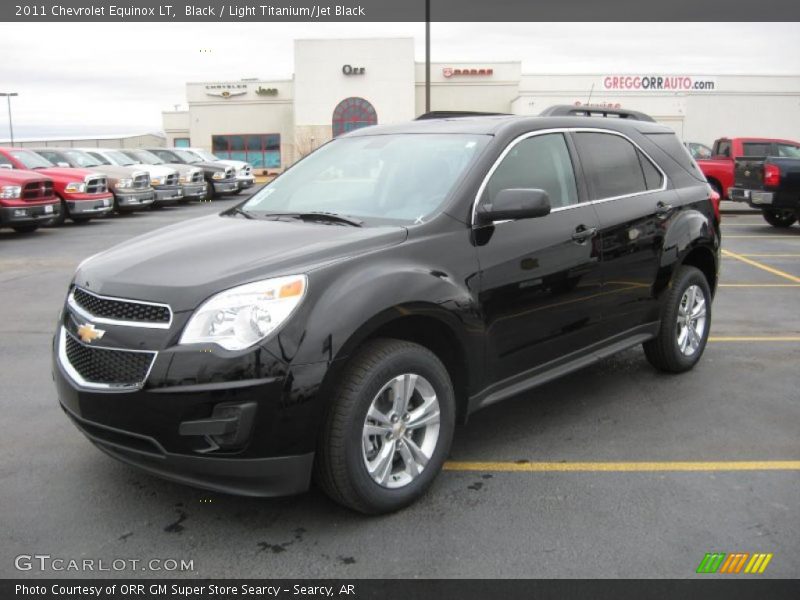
pixel 343 84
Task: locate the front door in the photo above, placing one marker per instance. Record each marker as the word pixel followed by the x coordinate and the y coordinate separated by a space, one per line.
pixel 539 277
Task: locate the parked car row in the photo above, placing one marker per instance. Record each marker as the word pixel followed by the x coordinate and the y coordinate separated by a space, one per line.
pixel 43 186
pixel 762 172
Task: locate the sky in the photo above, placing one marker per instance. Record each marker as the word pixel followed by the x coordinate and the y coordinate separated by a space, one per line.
pixel 107 78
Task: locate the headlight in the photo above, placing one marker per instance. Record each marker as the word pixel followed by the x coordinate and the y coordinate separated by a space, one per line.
pixel 156 181
pixel 239 317
pixel 187 178
pixel 218 175
pixel 124 183
pixel 10 191
pixel 75 187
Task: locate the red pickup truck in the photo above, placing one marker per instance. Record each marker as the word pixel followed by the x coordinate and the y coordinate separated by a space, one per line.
pixel 720 168
pixel 26 200
pixel 82 193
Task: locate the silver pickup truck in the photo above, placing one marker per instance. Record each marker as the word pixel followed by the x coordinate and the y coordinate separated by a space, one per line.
pixel 192 180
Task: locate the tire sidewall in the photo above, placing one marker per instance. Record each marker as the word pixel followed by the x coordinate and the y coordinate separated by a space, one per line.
pixel 408 360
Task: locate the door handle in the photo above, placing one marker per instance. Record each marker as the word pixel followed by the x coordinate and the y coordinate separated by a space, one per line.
pixel 663 208
pixel 583 233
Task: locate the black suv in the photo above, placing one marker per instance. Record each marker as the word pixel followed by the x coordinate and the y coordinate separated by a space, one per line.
pixel 343 319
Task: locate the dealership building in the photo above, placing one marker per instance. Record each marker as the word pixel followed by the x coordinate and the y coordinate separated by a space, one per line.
pixel 343 84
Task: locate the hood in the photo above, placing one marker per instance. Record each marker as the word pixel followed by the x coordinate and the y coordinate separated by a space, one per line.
pixel 184 264
pixel 20 177
pixel 68 173
pixel 155 170
pixel 236 164
pixel 118 172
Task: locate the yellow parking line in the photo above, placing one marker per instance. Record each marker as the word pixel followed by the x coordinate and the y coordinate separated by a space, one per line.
pixel 543 467
pixel 754 338
pixel 771 237
pixel 759 285
pixel 767 256
pixel 761 266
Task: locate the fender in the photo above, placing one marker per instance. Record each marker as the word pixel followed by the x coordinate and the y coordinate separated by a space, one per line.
pixel 691 228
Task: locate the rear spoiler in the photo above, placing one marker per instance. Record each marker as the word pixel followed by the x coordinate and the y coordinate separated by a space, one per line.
pixel 566 110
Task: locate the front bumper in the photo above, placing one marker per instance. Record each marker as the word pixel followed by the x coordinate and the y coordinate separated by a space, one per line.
pixel 155 426
pixel 246 181
pixel 23 215
pixel 168 194
pixel 194 190
pixel 132 199
pixel 99 206
pixel 224 186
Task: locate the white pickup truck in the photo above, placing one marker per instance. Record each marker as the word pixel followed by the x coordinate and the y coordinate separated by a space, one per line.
pixel 165 180
pixel 244 170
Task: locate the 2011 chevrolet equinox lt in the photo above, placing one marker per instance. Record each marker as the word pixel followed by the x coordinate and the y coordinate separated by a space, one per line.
pixel 342 320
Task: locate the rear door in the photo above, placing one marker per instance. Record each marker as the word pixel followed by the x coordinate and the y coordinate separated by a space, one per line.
pixel 629 193
pixel 539 277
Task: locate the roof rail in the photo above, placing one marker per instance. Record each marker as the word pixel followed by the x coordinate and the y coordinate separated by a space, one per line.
pixel 566 110
pixel 454 114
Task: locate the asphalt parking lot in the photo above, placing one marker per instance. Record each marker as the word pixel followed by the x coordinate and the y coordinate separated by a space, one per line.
pixel 517 500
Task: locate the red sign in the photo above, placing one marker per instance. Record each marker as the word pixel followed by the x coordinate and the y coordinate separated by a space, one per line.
pixel 451 72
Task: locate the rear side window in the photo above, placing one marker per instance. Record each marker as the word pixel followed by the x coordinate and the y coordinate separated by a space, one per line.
pixel 788 151
pixel 669 144
pixel 756 148
pixel 724 148
pixel 51 156
pixel 611 165
pixel 538 162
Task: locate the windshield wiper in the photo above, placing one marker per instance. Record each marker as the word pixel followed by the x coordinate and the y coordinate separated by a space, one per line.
pixel 238 211
pixel 320 216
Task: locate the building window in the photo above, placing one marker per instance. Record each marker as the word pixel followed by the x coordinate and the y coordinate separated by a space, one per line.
pixel 262 150
pixel 351 114
pixel 181 143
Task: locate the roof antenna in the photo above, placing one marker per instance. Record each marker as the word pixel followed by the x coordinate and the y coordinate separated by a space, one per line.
pixel 590 95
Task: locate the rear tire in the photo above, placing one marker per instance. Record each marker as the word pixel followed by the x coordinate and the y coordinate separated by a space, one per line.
pixel 387 429
pixel 779 218
pixel 685 323
pixel 62 215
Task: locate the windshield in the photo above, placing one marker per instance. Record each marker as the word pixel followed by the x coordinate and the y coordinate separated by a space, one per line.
pixel 83 159
pixel 120 158
pixel 31 160
pixel 206 155
pixel 399 177
pixel 186 156
pixel 145 157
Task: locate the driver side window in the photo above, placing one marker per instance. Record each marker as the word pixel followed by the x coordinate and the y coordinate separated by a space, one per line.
pixel 539 162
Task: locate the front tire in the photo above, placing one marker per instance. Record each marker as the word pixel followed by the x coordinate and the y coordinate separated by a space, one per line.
pixel 388 427
pixel 685 323
pixel 779 218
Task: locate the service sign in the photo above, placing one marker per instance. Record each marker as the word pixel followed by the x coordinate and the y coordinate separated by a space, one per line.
pixel 659 83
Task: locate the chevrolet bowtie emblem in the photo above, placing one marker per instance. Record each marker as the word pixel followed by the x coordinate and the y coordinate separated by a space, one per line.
pixel 88 333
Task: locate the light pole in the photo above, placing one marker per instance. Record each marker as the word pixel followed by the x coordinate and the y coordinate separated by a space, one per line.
pixel 427 56
pixel 10 124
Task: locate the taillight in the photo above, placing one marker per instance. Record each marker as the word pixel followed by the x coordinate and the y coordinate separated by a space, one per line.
pixel 715 200
pixel 772 175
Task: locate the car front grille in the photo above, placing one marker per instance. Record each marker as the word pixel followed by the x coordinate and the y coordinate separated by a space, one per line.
pixel 171 180
pixel 37 191
pixel 121 310
pixel 107 366
pixel 244 172
pixel 228 173
pixel 141 182
pixel 197 177
pixel 96 185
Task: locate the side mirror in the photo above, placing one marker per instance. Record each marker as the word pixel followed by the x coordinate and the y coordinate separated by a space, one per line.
pixel 513 204
pixel 62 164
pixel 6 166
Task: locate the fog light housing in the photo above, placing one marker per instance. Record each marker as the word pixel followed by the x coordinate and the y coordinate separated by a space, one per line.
pixel 20 212
pixel 229 426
